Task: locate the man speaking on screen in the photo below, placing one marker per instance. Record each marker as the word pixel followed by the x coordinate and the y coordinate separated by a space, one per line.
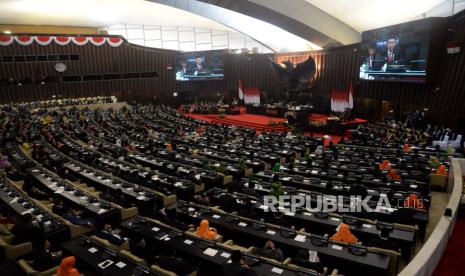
pixel 198 67
pixel 392 54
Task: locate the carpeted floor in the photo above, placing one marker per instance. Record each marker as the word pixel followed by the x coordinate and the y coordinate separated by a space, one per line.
pixel 260 122
pixel 452 260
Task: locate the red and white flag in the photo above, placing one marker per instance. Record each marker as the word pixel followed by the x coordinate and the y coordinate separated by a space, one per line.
pixel 351 95
pixel 241 91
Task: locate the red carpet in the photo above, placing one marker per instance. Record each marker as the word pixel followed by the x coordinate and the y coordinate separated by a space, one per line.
pixel 260 123
pixel 452 260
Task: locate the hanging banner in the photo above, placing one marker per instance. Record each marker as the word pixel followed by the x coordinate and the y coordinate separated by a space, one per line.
pixel 97 40
pixel 24 40
pixel 5 40
pixel 80 40
pixel 114 41
pixel 62 40
pixel 44 40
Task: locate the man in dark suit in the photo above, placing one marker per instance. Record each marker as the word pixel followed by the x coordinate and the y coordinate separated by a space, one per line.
pixel 168 261
pixel 107 233
pixel 26 230
pixel 384 242
pixel 369 61
pixel 392 54
pixel 198 67
pixel 43 258
pixel 237 266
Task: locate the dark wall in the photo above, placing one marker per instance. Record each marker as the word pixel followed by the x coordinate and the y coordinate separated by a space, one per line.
pixel 253 70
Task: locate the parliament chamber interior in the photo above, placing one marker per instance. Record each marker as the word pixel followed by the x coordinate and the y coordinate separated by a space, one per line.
pixel 233 137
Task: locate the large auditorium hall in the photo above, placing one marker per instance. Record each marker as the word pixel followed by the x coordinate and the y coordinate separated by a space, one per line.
pixel 232 137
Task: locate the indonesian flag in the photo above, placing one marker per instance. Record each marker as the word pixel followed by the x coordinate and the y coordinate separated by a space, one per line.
pixel 453 47
pixel 241 91
pixel 351 95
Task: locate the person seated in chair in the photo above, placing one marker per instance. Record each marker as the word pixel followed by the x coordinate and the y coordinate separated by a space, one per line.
pixel 278 219
pixel 358 190
pixel 44 258
pixel 30 188
pixel 75 217
pixel 168 261
pixel 383 241
pixel 237 266
pixel 270 251
pixel 121 199
pixel 25 229
pixel 205 231
pixel 343 234
pixel 247 209
pixel 393 175
pixel 303 260
pixel 227 202
pixel 67 267
pixel 106 195
pixel 385 165
pixel 170 217
pixel 441 170
pixel 106 232
pixel 138 246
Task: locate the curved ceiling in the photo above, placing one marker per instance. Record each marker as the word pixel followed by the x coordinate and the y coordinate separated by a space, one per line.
pixel 365 15
pixel 281 25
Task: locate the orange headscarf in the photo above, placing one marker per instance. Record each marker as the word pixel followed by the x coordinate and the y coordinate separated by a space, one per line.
pixel 393 175
pixel 67 267
pixel 407 148
pixel 385 165
pixel 205 232
pixel 413 201
pixel 344 235
pixel 442 170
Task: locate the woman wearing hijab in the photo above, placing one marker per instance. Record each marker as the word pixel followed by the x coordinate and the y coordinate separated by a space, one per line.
pixel 385 165
pixel 343 234
pixel 434 161
pixel 442 170
pixel 205 231
pixel 406 148
pixel 67 267
pixel 393 175
pixel 4 162
pixel 412 201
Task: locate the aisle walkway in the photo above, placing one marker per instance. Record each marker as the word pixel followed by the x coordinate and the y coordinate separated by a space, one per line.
pixel 453 259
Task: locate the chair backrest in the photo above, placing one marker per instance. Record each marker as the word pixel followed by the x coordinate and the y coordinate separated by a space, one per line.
pixel 100 241
pixel 129 256
pixel 394 261
pixel 160 271
pixel 437 180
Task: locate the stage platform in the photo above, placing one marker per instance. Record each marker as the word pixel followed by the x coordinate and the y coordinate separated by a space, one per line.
pixel 261 123
pixel 266 123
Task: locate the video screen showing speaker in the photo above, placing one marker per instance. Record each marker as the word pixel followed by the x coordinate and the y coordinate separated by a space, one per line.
pixel 199 66
pixel 396 53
